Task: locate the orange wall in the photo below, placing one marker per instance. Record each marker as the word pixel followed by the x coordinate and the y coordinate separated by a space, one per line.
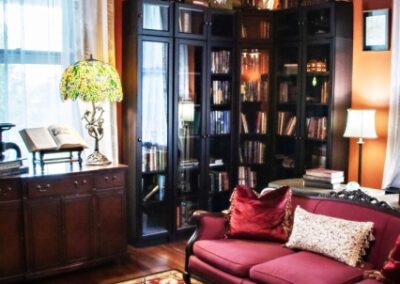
pixel 371 89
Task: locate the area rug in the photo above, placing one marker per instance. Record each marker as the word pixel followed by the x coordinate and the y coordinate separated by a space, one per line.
pixel 164 277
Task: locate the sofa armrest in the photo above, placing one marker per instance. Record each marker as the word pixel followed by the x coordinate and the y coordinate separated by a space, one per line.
pixel 209 226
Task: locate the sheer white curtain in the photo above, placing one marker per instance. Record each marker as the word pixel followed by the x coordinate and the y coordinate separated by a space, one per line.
pixel 38 39
pixel 95 36
pixel 391 176
pixel 36 43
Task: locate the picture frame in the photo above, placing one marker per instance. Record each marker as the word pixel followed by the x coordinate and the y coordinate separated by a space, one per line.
pixel 376 30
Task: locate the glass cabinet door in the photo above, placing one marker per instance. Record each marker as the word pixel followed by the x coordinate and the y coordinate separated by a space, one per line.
pixel 287 24
pixel 155 17
pixel 287 100
pixel 188 141
pixel 254 106
pixel 317 101
pixel 190 21
pixel 153 142
pixel 220 121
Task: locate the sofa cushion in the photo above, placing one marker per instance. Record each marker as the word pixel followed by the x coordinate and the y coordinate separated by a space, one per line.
pixel 305 268
pixel 212 274
pixel 340 239
pixel 391 269
pixel 263 217
pixel 237 256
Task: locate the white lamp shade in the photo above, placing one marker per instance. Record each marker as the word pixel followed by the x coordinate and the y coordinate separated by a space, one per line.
pixel 186 111
pixel 360 123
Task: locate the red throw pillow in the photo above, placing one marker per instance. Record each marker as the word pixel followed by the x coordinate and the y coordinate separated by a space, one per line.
pixel 264 217
pixel 391 269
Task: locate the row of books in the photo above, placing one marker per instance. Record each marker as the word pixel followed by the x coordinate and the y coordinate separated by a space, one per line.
pixel 185 21
pixel 254 91
pixel 323 178
pixel 316 127
pixel 154 157
pixel 259 124
pixel 252 152
pixel 287 92
pixel 246 176
pixel 11 167
pixel 184 211
pixel 286 123
pixel 220 92
pixel 220 122
pixel 219 181
pixel 156 190
pixel 220 62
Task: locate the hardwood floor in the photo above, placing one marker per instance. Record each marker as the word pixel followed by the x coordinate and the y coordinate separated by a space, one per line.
pixel 140 261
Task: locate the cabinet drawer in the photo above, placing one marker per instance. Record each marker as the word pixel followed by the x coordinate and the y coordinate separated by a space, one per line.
pixel 10 189
pixel 110 179
pixel 78 184
pixel 44 187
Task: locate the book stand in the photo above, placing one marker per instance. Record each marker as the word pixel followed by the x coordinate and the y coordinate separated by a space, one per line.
pixel 38 157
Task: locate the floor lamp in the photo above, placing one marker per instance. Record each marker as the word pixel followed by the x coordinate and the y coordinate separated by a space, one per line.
pixel 360 124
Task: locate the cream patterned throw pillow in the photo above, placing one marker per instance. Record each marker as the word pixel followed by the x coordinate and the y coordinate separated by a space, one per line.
pixel 343 240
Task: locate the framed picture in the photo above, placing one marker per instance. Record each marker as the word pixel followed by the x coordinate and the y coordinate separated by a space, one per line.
pixel 376 30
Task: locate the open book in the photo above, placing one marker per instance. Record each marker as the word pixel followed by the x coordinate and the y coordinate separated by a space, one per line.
pixel 54 137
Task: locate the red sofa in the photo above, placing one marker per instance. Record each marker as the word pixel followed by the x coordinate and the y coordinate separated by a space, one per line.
pixel 216 259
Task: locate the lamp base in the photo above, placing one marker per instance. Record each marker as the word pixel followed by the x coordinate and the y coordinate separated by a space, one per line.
pixel 97 159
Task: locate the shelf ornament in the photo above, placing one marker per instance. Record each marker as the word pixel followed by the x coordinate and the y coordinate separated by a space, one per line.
pixel 92 81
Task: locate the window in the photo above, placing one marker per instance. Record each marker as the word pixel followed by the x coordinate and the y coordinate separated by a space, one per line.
pixel 35 46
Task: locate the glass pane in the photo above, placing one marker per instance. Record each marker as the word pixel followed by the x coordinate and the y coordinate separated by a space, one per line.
pixel 254 90
pixel 184 211
pixel 191 21
pixel 154 97
pixel 155 17
pixel 222 25
pixel 287 25
pixel 190 64
pixel 20 22
pixel 318 21
pixel 287 78
pixel 255 28
pixel 317 70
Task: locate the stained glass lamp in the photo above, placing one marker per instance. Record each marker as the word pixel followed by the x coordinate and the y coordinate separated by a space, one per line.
pixel 92 81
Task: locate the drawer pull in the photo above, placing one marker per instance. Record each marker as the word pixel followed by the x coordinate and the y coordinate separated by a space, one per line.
pixel 106 178
pixel 84 181
pixel 2 191
pixel 76 183
pixel 114 178
pixel 40 189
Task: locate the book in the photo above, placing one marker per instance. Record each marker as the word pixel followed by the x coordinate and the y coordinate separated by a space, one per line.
pixel 10 164
pixel 14 171
pixel 318 184
pixel 324 179
pixel 54 137
pixel 322 172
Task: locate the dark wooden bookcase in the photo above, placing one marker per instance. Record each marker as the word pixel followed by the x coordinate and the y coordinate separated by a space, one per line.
pixel 313 65
pixel 209 95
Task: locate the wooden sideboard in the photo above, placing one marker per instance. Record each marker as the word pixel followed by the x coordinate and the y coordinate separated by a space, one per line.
pixel 59 221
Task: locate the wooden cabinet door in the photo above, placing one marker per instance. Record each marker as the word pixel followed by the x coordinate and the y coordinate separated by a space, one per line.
pixel 11 239
pixel 78 228
pixel 44 233
pixel 111 222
